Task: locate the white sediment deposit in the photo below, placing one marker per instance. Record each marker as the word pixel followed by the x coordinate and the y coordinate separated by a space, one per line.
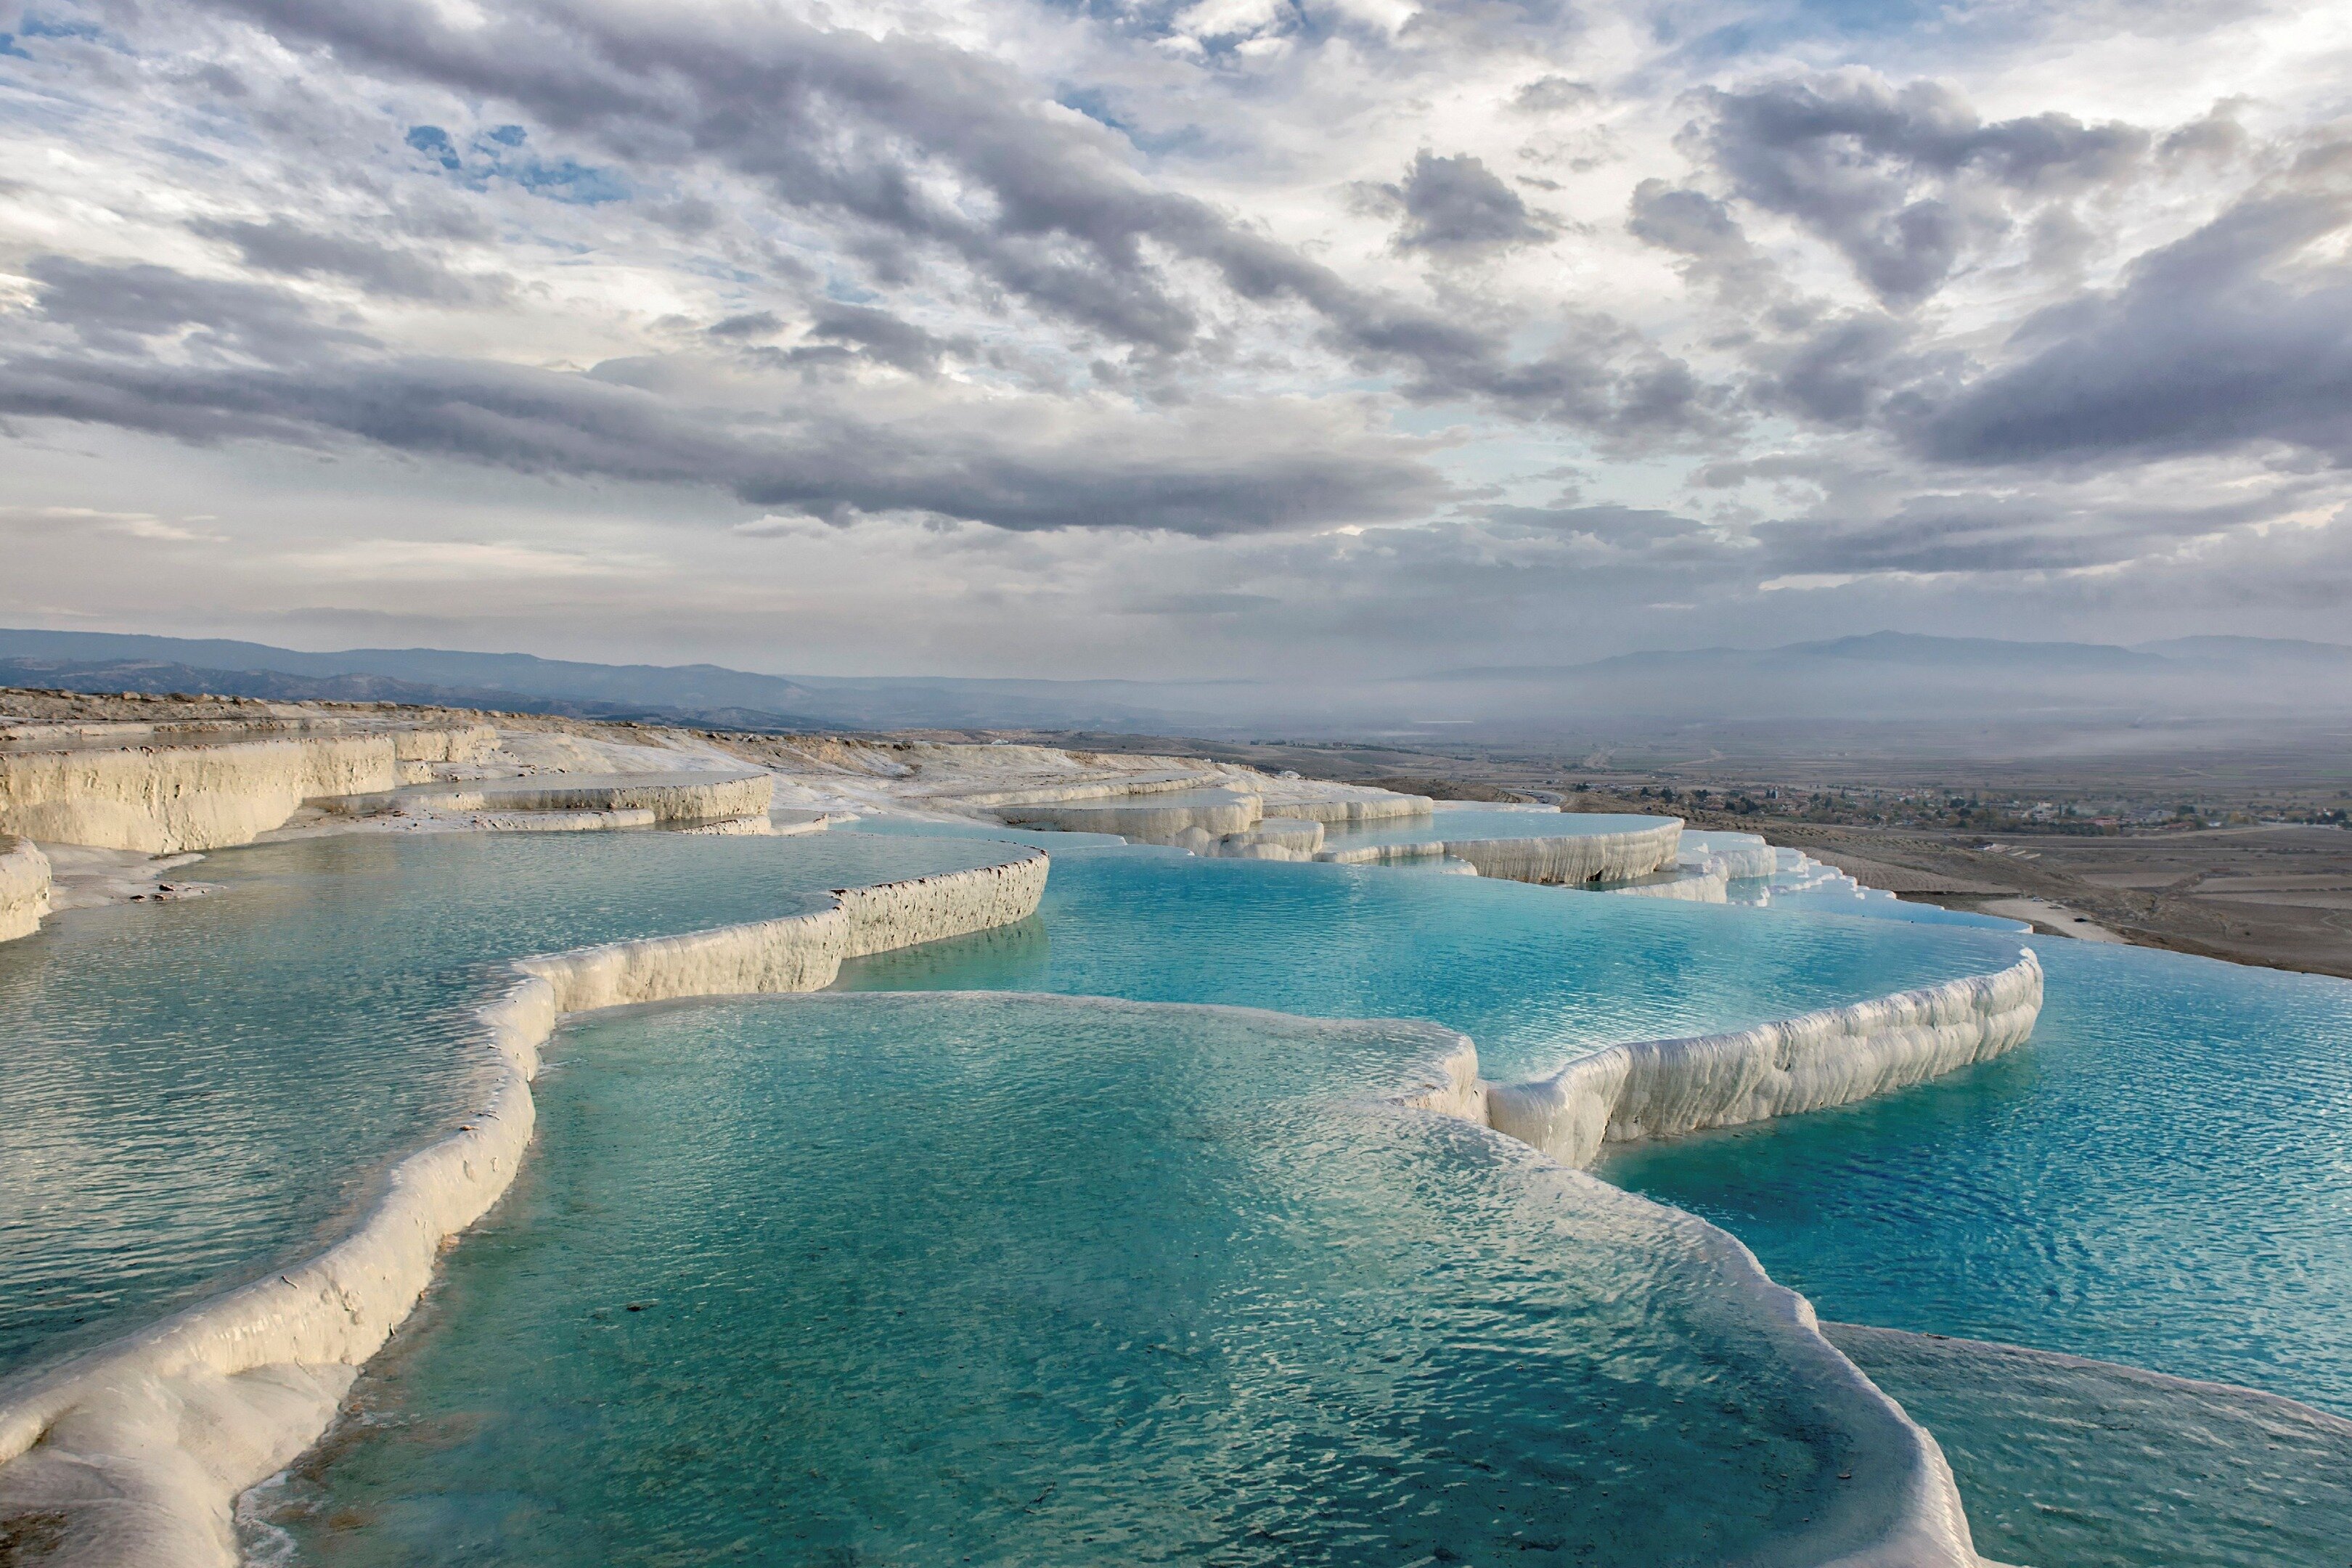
pixel 1744 856
pixel 1663 1087
pixel 161 800
pixel 1236 815
pixel 24 888
pixel 566 821
pixel 1584 857
pixel 1698 875
pixel 132 1456
pixel 1156 816
pixel 702 796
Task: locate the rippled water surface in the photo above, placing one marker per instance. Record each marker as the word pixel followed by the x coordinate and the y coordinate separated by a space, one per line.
pixel 807 1199
pixel 193 1091
pixel 2082 1464
pixel 2163 1177
pixel 944 1280
pixel 1534 976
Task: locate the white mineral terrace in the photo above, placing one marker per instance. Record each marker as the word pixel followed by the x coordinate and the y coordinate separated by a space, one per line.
pixel 702 796
pixel 1243 818
pixel 1657 1089
pixel 140 1449
pixel 24 888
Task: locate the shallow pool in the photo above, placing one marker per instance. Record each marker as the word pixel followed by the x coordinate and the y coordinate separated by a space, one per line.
pixel 2160 1178
pixel 947 1280
pixel 196 1090
pixel 1535 975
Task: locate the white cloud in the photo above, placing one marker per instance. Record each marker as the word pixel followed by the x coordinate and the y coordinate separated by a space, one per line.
pixel 736 312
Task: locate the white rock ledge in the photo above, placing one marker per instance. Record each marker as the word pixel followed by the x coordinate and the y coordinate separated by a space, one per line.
pixel 133 1454
pixel 1585 857
pixel 670 797
pixel 162 800
pixel 1663 1087
pixel 24 888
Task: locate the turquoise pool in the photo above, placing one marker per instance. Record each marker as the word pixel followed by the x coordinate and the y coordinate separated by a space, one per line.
pixel 953 1278
pixel 2160 1179
pixel 197 1091
pixel 1535 975
pixel 2153 1181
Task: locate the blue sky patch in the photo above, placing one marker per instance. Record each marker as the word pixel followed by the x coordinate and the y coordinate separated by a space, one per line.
pixel 434 143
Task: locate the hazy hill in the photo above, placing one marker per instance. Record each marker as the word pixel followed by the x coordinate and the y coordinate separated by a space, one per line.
pixel 1900 683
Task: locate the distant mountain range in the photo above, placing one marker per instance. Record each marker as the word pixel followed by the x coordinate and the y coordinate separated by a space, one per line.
pixel 1886 678
pixel 706 694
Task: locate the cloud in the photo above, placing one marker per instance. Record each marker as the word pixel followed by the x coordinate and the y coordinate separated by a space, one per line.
pixel 289 249
pixel 2213 342
pixel 1900 180
pixel 1455 206
pixel 924 147
pixel 1215 467
pixel 1702 230
pixel 2041 529
pixel 1553 94
pixel 128 310
pixel 983 336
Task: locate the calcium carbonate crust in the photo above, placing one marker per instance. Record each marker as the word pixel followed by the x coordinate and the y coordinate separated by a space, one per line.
pixel 1663 1087
pixel 133 1455
pixel 24 888
pixel 1568 860
pixel 136 1452
pixel 164 800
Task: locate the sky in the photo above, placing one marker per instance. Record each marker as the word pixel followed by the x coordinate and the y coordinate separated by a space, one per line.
pixel 1295 341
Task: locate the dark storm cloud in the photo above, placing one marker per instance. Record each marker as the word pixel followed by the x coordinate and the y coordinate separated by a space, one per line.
pixel 870 131
pixel 1213 469
pixel 2206 346
pixel 1457 206
pixel 1900 179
